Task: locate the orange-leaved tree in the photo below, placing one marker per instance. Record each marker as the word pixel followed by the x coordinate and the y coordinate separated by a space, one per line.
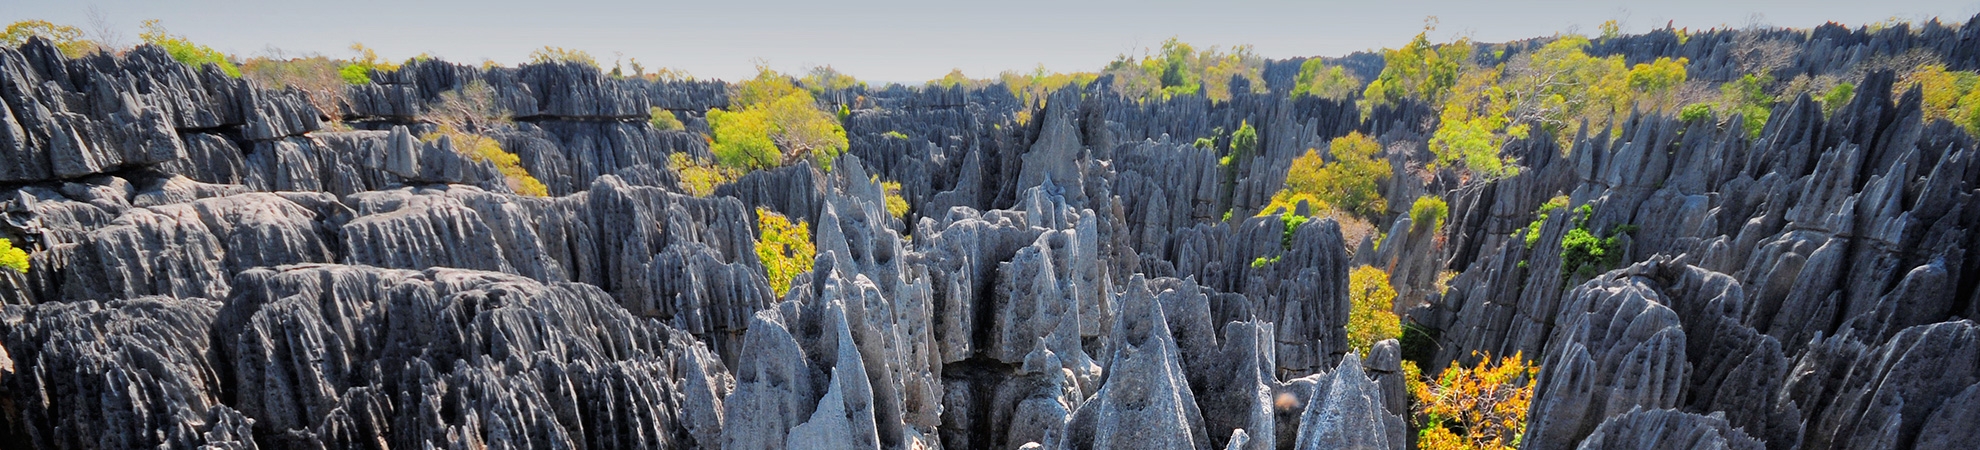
pixel 1479 407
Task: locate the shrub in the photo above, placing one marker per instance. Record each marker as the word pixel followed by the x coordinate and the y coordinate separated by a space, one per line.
pixel 1533 230
pixel 1206 144
pixel 785 248
pixel 486 149
pixel 1695 111
pixel 1948 95
pixel 463 116
pixel 185 50
pixel 1430 211
pixel 67 39
pixel 13 258
pixel 1244 141
pixel 700 179
pixel 1747 97
pixel 1351 183
pixel 1837 97
pixel 317 75
pixel 955 78
pixel 1292 222
pixel 663 120
pixel 1583 254
pixel 367 61
pixel 1318 79
pixel 471 108
pixel 1371 318
pixel 549 54
pixel 1481 407
pixel 896 135
pixel 897 205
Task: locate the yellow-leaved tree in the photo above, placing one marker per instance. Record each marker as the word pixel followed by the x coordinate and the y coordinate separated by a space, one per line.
pixel 1948 95
pixel 1371 320
pixel 12 258
pixel 464 116
pixel 784 247
pixel 1475 408
pixel 67 39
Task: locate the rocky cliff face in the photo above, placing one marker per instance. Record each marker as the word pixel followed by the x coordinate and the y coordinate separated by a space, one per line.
pixel 215 267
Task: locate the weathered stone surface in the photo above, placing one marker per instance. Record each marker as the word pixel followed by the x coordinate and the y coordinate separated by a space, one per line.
pixel 1346 411
pixel 1068 268
pixel 123 374
pixel 1145 401
pixel 1665 428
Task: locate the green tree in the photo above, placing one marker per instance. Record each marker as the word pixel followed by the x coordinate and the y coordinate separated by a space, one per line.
pixel 771 122
pixel 185 50
pixel 69 40
pixel 954 78
pixel 742 139
pixel 13 258
pixel 1656 82
pixel 1351 183
pixel 1318 79
pixel 1419 70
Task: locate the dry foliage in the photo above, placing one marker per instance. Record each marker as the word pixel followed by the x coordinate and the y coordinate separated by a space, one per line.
pixel 1479 407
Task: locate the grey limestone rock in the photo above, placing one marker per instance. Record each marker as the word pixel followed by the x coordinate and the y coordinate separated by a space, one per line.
pixel 1668 429
pixel 1145 401
pixel 1346 411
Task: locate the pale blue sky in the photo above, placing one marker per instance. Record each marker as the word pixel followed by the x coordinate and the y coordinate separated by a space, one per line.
pixel 909 41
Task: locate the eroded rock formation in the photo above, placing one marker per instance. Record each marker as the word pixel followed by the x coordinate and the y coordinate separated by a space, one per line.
pixel 213 267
